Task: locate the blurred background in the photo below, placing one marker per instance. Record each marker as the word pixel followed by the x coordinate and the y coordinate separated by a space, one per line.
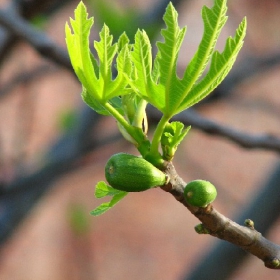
pixel 53 150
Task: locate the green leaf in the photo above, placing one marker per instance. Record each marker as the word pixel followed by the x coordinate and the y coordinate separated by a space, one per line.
pixel 102 208
pixel 156 85
pixel 214 19
pixel 96 106
pixel 123 41
pixel 167 58
pixel 142 59
pixel 78 47
pixel 106 52
pixel 173 135
pixel 109 88
pixel 159 85
pixel 102 190
pixel 221 64
pixel 96 75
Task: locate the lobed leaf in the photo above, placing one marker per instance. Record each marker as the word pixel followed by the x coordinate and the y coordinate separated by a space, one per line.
pixel 106 52
pixel 167 58
pixel 102 190
pixel 221 64
pixel 157 85
pixel 214 19
pixel 96 75
pixel 78 47
pixel 142 59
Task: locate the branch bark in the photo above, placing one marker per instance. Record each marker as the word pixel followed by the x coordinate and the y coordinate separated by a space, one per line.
pixel 217 225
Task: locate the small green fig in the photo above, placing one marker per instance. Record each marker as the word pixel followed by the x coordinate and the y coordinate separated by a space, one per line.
pixel 130 173
pixel 200 193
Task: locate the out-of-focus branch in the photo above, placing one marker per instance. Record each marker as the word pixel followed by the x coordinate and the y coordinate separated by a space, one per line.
pixel 25 77
pixel 39 40
pixel 32 8
pixel 18 197
pixel 26 10
pixel 7 38
pixel 217 225
pixel 248 141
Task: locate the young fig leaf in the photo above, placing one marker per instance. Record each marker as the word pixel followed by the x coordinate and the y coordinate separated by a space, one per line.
pixel 102 190
pixel 221 64
pixel 96 75
pixel 173 135
pixel 104 207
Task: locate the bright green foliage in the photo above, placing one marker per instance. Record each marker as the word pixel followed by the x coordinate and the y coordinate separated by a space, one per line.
pixel 172 136
pixel 96 76
pixel 221 64
pixel 161 86
pixel 115 102
pixel 139 79
pixel 78 48
pixel 144 80
pixel 102 190
pixel 214 19
pixel 156 86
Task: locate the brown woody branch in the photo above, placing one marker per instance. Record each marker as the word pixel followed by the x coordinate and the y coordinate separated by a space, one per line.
pixel 217 225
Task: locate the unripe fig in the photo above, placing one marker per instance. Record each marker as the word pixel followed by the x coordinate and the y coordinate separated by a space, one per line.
pixel 130 173
pixel 200 193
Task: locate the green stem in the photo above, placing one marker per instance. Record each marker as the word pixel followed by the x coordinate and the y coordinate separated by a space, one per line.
pixel 138 137
pixel 157 135
pixel 139 114
pixel 119 117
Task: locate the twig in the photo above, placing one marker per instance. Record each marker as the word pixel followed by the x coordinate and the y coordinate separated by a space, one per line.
pixel 263 209
pixel 217 225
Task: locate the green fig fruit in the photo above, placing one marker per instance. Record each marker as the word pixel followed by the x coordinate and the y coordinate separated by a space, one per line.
pixel 200 193
pixel 130 173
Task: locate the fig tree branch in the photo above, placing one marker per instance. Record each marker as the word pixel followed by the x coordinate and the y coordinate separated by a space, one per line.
pixel 217 225
pixel 263 208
